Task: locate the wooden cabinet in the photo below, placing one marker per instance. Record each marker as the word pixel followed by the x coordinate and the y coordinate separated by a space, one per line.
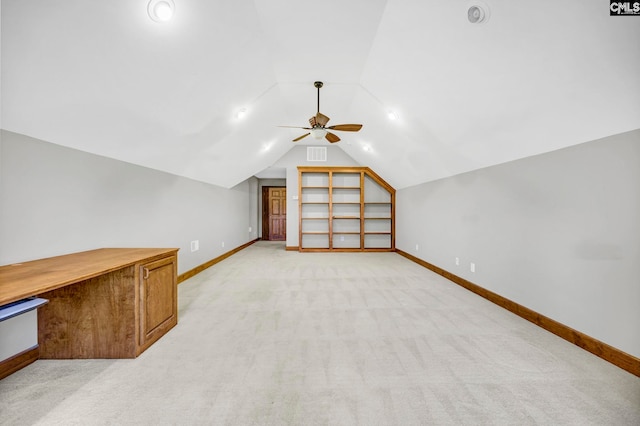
pixel 345 209
pixel 105 303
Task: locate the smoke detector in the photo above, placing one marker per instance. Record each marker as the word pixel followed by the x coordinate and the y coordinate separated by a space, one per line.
pixel 478 13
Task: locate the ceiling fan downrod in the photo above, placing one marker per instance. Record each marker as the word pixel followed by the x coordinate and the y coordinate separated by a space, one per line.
pixel 318 85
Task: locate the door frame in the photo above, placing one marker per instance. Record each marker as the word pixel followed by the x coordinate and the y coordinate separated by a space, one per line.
pixel 265 210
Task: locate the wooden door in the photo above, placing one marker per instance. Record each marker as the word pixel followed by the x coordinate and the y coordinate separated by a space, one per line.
pixel 276 212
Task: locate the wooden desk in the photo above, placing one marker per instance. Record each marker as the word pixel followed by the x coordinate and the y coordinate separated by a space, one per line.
pixel 105 303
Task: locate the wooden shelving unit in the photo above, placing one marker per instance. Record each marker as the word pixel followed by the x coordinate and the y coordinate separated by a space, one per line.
pixel 345 209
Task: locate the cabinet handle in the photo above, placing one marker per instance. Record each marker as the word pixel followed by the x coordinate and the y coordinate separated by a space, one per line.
pixel 145 273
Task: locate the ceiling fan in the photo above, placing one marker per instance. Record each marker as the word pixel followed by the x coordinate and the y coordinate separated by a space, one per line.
pixel 319 122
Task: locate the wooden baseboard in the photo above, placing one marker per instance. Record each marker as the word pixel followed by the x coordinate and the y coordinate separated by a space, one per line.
pixel 292 248
pixel 190 273
pixel 609 353
pixel 18 361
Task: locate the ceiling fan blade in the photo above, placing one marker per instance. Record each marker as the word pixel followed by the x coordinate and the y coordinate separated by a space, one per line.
pixel 312 121
pixel 346 127
pixel 300 137
pixel 332 138
pixel 322 119
pixel 296 127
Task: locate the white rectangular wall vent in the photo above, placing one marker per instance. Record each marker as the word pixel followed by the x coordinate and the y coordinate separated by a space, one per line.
pixel 316 153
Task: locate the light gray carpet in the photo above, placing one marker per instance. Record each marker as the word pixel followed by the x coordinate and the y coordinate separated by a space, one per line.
pixel 270 337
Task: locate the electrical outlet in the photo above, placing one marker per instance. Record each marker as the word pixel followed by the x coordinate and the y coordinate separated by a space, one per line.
pixel 472 267
pixel 250 229
pixel 341 237
pixel 223 244
pixel 195 245
pixel 417 247
pixel 458 261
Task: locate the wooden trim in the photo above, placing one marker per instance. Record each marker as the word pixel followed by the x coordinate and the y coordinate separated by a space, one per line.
pixel 600 349
pixel 381 181
pixel 292 248
pixel 299 208
pixel 362 195
pixel 19 361
pixel 330 210
pixel 192 272
pixel 325 169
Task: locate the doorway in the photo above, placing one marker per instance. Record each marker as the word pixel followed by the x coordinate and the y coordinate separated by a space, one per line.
pixel 274 213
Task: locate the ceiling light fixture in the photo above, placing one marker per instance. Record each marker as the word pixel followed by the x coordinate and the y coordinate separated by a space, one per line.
pixel 242 112
pixel 392 115
pixel 318 132
pixel 161 10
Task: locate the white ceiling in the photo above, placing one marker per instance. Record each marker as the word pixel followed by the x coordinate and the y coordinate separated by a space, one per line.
pixel 100 76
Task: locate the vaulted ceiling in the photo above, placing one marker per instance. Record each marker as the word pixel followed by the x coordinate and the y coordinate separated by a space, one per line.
pixel 102 77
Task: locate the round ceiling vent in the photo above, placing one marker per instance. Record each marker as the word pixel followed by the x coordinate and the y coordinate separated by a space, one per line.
pixel 478 13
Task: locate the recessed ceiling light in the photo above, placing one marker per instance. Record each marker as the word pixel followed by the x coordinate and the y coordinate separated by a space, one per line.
pixel 242 112
pixel 161 10
pixel 392 115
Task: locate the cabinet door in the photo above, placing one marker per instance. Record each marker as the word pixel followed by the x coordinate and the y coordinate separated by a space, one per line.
pixel 158 299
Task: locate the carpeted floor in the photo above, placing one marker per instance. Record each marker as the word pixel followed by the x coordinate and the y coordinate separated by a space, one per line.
pixel 269 337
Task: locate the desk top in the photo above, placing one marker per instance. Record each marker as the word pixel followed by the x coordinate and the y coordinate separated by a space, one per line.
pixel 26 279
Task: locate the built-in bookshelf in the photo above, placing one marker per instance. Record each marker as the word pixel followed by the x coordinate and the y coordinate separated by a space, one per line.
pixel 345 209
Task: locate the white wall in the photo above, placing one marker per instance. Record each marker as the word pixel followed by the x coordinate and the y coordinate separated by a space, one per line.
pixel 254 208
pixel 56 200
pixel 558 233
pixel 297 156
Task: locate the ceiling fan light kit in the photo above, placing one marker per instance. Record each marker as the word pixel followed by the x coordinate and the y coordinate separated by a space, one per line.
pixel 318 133
pixel 319 122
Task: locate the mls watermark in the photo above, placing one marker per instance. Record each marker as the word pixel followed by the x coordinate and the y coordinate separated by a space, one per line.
pixel 624 8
